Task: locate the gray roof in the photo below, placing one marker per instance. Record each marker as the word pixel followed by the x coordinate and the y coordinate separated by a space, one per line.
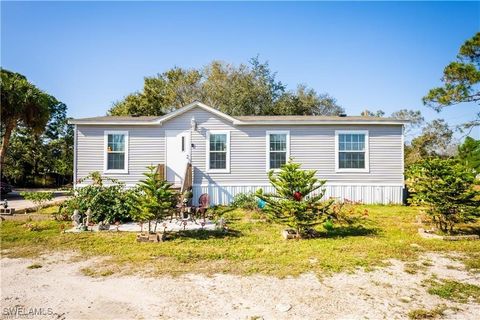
pixel 312 118
pixel 238 120
pixel 242 118
pixel 120 118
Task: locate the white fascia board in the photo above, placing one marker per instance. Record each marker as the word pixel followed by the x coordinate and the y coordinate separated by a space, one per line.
pixel 158 121
pixel 316 122
pixel 193 105
pixel 115 123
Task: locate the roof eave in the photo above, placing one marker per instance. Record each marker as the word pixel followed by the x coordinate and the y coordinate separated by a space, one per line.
pixel 115 123
pixel 317 122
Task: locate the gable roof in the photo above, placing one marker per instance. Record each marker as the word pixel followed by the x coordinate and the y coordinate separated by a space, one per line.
pixel 150 120
pixel 238 120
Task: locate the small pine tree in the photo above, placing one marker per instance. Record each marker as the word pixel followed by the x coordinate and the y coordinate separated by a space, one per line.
pixel 446 188
pixel 156 198
pixel 297 200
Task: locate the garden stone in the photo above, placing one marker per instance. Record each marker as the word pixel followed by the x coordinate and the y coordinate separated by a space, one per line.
pixel 283 307
pixel 220 225
pixel 290 234
pixel 103 226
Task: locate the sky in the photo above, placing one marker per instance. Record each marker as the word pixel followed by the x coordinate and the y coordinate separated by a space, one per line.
pixel 368 55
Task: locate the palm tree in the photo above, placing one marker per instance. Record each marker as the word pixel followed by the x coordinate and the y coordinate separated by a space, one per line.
pixel 22 103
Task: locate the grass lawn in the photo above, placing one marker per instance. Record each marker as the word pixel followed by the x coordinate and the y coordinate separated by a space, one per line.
pixel 251 246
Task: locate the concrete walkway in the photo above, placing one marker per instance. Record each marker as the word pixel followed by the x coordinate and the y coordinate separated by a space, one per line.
pixel 170 226
pixel 15 200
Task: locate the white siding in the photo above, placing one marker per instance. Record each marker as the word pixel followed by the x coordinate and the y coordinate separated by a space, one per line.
pixel 313 146
pixel 146 145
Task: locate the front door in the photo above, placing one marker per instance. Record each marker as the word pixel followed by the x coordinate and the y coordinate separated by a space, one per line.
pixel 177 155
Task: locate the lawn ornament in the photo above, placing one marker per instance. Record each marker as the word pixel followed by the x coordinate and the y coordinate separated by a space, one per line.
pixel 261 203
pixel 76 218
pixel 297 195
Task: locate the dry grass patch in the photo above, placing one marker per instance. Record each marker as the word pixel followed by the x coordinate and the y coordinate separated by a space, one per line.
pixel 434 313
pixel 453 290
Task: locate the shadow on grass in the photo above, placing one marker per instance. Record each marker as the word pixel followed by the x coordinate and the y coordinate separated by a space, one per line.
pixel 222 212
pixel 348 231
pixel 204 234
pixel 472 229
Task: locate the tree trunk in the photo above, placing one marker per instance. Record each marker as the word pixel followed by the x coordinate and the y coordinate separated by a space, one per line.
pixel 6 140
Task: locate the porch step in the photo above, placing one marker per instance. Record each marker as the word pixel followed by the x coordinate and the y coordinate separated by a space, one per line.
pixel 176 188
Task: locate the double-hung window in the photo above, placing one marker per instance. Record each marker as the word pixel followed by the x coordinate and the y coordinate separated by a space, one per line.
pixel 116 152
pixel 218 151
pixel 352 151
pixel 278 149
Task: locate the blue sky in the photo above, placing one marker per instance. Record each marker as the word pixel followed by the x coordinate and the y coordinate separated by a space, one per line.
pixel 373 55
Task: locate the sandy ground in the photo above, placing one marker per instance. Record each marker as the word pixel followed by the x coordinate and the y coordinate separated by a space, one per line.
pixel 60 288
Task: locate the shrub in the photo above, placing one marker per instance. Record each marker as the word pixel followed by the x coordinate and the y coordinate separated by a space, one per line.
pixel 38 198
pixel 247 201
pixel 446 188
pixel 109 203
pixel 297 201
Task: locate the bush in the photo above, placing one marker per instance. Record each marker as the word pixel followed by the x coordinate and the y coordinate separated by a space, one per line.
pixel 108 203
pixel 446 188
pixel 247 201
pixel 297 201
pixel 38 198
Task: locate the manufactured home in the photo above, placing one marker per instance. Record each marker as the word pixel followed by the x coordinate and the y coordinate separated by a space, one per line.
pixel 360 157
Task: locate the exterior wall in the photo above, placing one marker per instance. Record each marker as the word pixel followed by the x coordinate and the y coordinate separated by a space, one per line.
pixel 368 194
pixel 146 147
pixel 313 146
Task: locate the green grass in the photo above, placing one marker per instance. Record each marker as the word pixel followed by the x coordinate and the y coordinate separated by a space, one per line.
pixel 251 246
pixel 434 313
pixel 454 290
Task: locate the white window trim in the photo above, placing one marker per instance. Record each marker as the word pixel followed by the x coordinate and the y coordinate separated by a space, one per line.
pixel 267 147
pixel 207 151
pixel 105 147
pixel 367 153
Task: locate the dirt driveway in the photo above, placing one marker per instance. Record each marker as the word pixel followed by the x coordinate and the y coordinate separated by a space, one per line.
pixel 61 289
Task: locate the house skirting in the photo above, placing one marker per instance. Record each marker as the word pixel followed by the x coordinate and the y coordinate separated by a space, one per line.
pixel 363 193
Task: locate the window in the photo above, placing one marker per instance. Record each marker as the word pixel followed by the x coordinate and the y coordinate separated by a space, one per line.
pixel 352 151
pixel 278 149
pixel 218 151
pixel 116 152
